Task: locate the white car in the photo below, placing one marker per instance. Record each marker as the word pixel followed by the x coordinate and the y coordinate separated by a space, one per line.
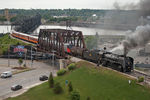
pixel 6 74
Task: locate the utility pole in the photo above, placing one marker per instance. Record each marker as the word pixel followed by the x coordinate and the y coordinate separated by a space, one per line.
pixel 8 56
pixel 31 57
pixel 25 56
pixel 53 58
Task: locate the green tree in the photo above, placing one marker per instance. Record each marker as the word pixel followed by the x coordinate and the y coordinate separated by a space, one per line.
pixel 51 80
pixel 2 18
pixel 20 61
pixel 70 88
pixel 92 41
pixel 57 88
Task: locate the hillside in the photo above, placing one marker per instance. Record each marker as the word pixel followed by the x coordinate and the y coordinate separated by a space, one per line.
pixel 97 83
pixel 6 41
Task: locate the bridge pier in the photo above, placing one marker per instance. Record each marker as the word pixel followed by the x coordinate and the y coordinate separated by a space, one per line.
pixel 62 63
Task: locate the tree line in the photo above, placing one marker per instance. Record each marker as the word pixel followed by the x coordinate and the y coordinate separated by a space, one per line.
pixel 48 14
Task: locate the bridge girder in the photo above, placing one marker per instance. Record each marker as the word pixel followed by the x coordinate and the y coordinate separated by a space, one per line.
pixel 50 40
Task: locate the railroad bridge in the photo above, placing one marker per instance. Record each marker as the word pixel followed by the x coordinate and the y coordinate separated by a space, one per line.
pixel 53 40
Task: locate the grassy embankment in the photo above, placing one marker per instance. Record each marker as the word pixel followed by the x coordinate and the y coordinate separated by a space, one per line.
pixel 6 41
pixel 98 84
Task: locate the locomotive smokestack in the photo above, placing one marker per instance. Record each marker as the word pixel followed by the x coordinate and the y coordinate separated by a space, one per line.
pixel 124 60
pixel 125 51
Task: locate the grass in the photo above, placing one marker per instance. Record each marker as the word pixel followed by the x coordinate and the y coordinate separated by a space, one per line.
pixel 98 84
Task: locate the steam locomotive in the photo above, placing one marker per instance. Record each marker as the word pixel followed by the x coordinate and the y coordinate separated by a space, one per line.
pixel 118 62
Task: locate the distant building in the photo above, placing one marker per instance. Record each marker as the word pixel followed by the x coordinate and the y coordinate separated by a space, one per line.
pixel 94 15
pixel 60 16
pixel 7 15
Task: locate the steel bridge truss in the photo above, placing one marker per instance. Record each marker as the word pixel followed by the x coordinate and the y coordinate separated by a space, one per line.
pixel 53 40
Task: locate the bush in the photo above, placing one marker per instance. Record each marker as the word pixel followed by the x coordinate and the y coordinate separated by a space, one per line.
pixel 70 88
pixel 57 89
pixel 51 80
pixel 24 65
pixel 61 72
pixel 75 95
pixel 20 61
pixel 72 66
pixel 141 79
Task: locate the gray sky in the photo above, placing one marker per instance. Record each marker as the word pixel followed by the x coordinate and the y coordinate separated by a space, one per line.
pixel 62 4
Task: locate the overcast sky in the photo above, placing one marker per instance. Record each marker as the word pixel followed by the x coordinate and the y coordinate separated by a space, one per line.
pixel 62 4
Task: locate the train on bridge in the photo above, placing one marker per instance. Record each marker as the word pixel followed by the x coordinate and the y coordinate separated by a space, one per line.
pixel 118 62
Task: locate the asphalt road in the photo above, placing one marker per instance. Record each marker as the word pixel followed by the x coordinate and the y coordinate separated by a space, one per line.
pixel 26 79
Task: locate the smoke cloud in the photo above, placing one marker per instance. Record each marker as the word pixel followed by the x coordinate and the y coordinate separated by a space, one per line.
pixel 144 7
pixel 139 38
pixel 128 6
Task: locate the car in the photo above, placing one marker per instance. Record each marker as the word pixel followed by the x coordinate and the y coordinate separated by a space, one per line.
pixel 43 78
pixel 6 74
pixel 16 87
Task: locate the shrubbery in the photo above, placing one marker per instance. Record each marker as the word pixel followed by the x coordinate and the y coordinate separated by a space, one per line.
pixel 141 79
pixel 72 66
pixel 70 88
pixel 61 72
pixel 20 61
pixel 51 80
pixel 75 95
pixel 57 89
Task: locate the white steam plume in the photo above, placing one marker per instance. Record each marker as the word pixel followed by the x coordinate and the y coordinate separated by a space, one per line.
pixel 139 38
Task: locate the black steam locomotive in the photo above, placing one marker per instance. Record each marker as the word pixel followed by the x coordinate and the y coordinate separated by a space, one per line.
pixel 118 62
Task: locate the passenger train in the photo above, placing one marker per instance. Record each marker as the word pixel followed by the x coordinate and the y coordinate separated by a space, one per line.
pixel 26 37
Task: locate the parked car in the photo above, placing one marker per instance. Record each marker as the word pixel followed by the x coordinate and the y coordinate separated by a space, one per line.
pixel 6 74
pixel 43 78
pixel 16 87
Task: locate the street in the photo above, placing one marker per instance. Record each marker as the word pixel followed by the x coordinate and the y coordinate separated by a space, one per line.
pixel 26 79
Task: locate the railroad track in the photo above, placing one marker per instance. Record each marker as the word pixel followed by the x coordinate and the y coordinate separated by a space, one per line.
pixel 138 74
